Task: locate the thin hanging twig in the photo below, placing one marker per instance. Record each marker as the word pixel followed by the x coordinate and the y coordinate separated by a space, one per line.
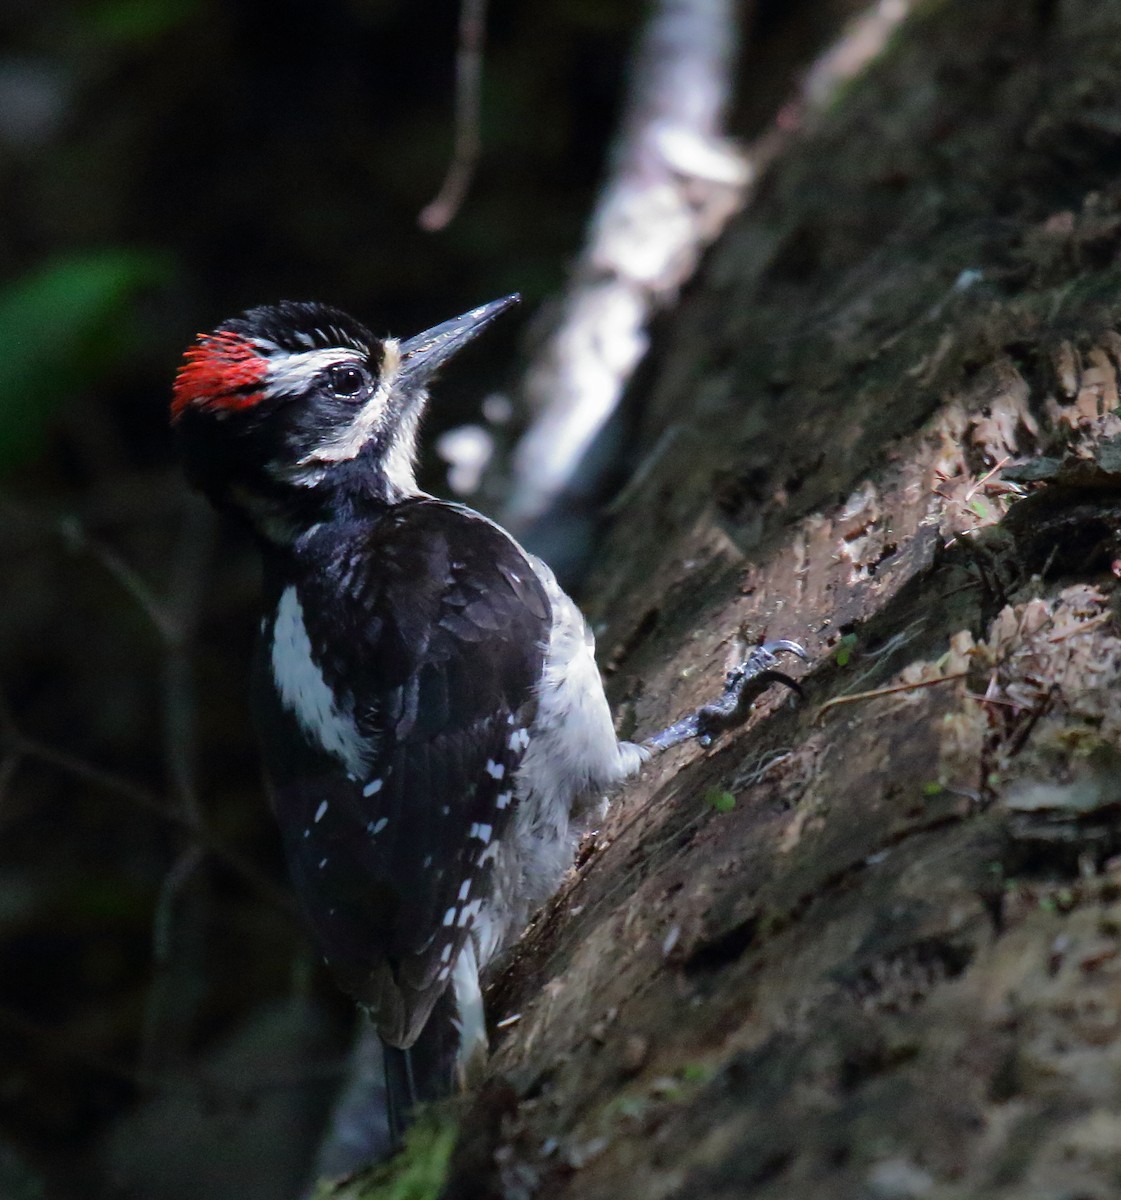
pixel 163 1010
pixel 465 149
pixel 19 746
pixel 77 540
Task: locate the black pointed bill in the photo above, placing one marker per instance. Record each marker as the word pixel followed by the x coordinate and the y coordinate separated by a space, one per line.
pixel 423 355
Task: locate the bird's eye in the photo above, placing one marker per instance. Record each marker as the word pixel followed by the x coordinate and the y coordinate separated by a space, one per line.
pixel 347 381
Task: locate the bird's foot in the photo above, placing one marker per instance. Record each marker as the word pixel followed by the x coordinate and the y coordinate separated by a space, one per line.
pixel 742 687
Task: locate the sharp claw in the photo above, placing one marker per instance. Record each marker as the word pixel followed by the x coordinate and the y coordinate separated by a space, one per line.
pixel 787 645
pixel 759 659
pixel 755 671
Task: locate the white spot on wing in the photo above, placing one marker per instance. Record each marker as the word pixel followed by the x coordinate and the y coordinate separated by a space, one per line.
pixel 465 889
pixel 503 799
pixel 375 827
pixel 372 788
pixel 449 917
pixel 495 769
pixel 320 811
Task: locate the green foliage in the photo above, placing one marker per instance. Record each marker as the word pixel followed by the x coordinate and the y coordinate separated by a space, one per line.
pixel 843 652
pixel 665 1089
pixel 417 1173
pixel 630 1107
pixel 138 21
pixel 62 326
pixel 696 1072
pixel 17 1182
pixel 719 800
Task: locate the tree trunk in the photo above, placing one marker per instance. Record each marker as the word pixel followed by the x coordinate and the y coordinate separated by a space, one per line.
pixel 866 948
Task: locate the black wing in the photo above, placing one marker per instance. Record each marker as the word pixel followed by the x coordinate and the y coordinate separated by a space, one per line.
pixel 433 625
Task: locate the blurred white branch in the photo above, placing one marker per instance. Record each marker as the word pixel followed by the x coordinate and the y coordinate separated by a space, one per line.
pixel 673 183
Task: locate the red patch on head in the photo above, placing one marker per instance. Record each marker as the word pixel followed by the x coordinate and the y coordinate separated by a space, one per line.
pixel 221 371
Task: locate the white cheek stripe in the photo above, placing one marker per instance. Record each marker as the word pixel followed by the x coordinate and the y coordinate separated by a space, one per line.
pixel 348 441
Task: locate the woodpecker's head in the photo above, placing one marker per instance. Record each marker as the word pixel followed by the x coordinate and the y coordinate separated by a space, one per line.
pixel 292 408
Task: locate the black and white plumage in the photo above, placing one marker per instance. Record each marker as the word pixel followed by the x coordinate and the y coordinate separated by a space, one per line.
pixel 432 721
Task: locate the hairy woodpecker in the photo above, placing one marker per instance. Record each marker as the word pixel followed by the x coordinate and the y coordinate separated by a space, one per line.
pixel 433 725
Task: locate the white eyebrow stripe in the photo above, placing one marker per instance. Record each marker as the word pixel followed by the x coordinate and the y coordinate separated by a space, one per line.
pixel 294 371
pixel 349 440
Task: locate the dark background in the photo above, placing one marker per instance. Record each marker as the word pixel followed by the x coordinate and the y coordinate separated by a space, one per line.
pixel 164 1029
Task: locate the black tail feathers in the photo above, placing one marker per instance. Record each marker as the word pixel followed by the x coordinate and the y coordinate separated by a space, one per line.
pixel 425 1071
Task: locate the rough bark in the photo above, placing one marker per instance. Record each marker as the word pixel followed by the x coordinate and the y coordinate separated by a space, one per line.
pixel 892 968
